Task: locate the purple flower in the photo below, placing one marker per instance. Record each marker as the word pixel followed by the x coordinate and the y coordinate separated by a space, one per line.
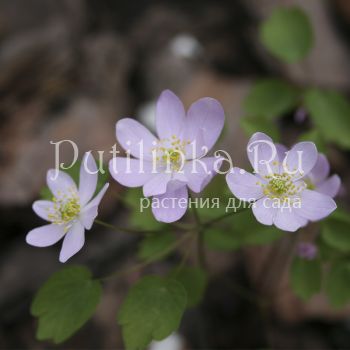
pixel 277 188
pixel 166 165
pixel 306 250
pixel 71 210
pixel 319 180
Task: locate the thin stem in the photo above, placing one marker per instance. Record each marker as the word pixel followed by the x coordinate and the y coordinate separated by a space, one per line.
pixel 125 229
pixel 183 261
pixel 196 216
pixel 275 265
pixel 222 217
pixel 149 261
pixel 200 239
pixel 200 249
pixel 182 226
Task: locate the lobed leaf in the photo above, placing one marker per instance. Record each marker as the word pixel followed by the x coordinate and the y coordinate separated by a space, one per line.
pixel 194 281
pixel 152 311
pixel 65 303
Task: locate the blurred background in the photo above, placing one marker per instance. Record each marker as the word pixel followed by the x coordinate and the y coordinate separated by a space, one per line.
pixel 71 69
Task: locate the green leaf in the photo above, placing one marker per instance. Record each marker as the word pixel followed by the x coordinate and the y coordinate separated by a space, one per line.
pixel 330 112
pixel 65 302
pixel 327 252
pixel 140 220
pixel 45 193
pixel 194 280
pixel 306 277
pixel 252 125
pixel 102 179
pixel 156 245
pixel 152 311
pixel 335 231
pixel 74 172
pixel 287 34
pixel 242 230
pixel 270 99
pixel 315 137
pixel 337 284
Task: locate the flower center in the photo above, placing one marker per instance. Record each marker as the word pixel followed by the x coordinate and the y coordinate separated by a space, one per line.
pixel 280 186
pixel 70 209
pixel 65 209
pixel 170 154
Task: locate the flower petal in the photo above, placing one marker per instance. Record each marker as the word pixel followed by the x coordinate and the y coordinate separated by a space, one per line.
pixel 135 138
pixel 199 172
pixel 157 184
pixel 330 187
pixel 264 211
pixel 281 151
pixel 262 154
pixel 130 172
pixel 315 206
pixel 172 205
pixel 60 183
pixel 320 171
pixel 96 201
pixel 88 178
pixel 73 241
pixel 45 236
pixel 196 148
pixel 304 153
pixel 243 185
pixel 208 116
pixel 287 219
pixel 170 115
pixel 88 215
pixel 43 209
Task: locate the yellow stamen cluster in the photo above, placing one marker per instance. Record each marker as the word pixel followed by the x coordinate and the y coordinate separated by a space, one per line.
pixel 65 209
pixel 280 186
pixel 170 153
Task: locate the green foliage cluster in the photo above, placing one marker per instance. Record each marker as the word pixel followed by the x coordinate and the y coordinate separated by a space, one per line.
pixel 287 35
pixel 330 271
